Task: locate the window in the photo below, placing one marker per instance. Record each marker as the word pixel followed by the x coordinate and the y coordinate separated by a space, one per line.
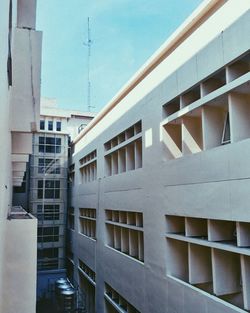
pixel 50 144
pixel 191 241
pixel 48 234
pixel 87 219
pixel 48 189
pixel 49 166
pixel 83 268
pixel 42 125
pixel 128 151
pixel 47 253
pixel 47 258
pixel 226 131
pixel 125 232
pixel 50 125
pixel 48 212
pixel 88 167
pixel 114 300
pixel 58 126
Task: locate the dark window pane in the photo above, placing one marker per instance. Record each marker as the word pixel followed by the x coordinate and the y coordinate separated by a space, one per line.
pixel 40 184
pixel 58 141
pixel 41 140
pixel 40 194
pixel 58 126
pixel 39 208
pixel 49 184
pixel 57 184
pixel 41 148
pixel 40 166
pixel 42 125
pixel 50 141
pixel 57 193
pixel 49 194
pixel 40 162
pixel 58 149
pixel 50 149
pixel 50 125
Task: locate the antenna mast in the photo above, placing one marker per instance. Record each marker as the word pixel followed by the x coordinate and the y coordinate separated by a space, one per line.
pixel 88 44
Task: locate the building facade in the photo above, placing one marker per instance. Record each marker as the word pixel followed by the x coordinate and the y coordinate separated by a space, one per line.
pixel 160 218
pixel 20 62
pixel 47 189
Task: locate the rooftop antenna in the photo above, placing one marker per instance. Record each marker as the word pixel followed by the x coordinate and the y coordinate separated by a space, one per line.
pixel 88 43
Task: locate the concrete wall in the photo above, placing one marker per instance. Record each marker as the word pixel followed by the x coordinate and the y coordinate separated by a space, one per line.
pixel 19 290
pixel 210 184
pixel 5 136
pixel 17 249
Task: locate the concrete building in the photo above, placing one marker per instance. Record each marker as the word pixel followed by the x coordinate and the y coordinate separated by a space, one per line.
pixel 20 63
pixel 160 208
pixel 46 190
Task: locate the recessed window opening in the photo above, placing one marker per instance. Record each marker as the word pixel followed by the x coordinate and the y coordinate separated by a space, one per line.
pixel 58 126
pixel 50 125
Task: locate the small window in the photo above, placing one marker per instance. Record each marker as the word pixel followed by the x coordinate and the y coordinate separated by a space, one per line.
pixel 58 126
pixel 226 131
pixel 42 125
pixel 50 125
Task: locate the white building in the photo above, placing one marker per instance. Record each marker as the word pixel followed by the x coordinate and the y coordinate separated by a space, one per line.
pixel 20 63
pixel 161 187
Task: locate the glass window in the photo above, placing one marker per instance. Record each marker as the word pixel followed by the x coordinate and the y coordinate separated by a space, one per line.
pixel 42 125
pixel 47 253
pixel 41 140
pixel 40 166
pixel 48 211
pixel 48 234
pixel 58 126
pixel 50 125
pixel 39 194
pixel 50 144
pixel 51 189
pixel 40 184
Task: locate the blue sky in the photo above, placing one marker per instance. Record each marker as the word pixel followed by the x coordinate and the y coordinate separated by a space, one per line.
pixel 125 34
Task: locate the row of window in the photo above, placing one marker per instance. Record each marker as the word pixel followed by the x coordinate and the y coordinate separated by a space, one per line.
pixel 124 230
pixel 50 125
pixel 87 222
pixel 212 255
pixel 114 301
pixel 123 153
pixel 195 121
pixel 87 271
